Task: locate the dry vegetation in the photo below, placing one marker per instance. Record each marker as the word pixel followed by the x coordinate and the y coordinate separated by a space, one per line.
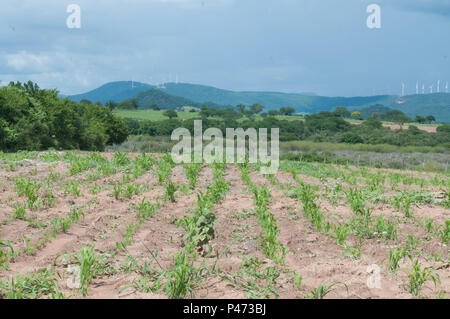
pixel 117 225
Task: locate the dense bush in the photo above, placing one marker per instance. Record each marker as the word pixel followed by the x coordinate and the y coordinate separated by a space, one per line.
pixel 35 119
pixel 351 138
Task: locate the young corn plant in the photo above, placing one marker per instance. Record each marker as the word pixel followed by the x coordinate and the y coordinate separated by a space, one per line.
pixel 142 164
pixel 65 224
pixel 121 159
pixel 182 277
pixel 19 211
pixel 341 234
pixel 5 255
pixel 132 190
pixel 128 238
pixel 356 200
pixel 146 210
pixel 217 190
pixel 444 232
pixel 30 189
pixel 429 225
pixel 164 168
pixel 73 188
pixel 322 290
pixel 385 228
pixel 403 202
pixel 117 190
pixel 192 171
pixel 76 214
pixel 420 276
pixel 395 256
pixel 32 286
pixel 272 248
pixel 171 189
pixel 87 260
pixel 256 281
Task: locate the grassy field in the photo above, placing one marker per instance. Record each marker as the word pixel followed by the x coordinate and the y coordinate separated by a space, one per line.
pixel 380 155
pixel 115 225
pixel 158 115
pixel 151 115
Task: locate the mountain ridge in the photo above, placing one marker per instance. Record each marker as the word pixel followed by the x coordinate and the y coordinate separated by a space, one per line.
pixel 437 104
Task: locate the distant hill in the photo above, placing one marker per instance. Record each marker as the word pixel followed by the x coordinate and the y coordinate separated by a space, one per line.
pixel 162 99
pixel 368 111
pixel 181 94
pixel 427 104
pixel 201 93
pixel 113 91
pixel 437 104
pixel 272 100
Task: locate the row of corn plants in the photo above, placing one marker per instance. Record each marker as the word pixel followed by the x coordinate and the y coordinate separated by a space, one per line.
pixel 271 246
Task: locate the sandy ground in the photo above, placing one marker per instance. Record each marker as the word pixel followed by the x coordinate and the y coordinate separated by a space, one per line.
pixel 313 255
pixel 429 129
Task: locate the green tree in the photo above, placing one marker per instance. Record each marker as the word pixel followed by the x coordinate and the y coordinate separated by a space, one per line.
pixel 130 104
pixel 342 111
pixel 170 114
pixel 420 119
pixel 398 117
pixel 288 111
pixel 256 108
pixel 356 115
pixel 85 101
pixel 241 108
pixel 274 113
pixel 111 105
pixel 430 119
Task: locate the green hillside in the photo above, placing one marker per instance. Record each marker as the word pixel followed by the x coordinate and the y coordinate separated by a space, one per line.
pixel 113 91
pixel 273 100
pixel 437 104
pixel 167 101
pixel 175 95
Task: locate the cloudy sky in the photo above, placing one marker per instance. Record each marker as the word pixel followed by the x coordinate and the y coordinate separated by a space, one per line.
pixel 321 46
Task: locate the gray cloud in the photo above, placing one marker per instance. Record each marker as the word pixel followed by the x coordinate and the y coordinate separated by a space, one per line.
pixel 285 45
pixel 439 7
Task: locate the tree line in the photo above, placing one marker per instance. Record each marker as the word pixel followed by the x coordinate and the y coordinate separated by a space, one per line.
pixel 36 119
pixel 321 127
